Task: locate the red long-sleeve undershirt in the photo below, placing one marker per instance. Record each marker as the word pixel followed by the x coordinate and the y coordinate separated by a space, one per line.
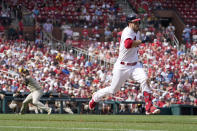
pixel 128 43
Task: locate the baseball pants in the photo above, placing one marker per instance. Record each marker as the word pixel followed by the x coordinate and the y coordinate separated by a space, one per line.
pixel 35 97
pixel 120 75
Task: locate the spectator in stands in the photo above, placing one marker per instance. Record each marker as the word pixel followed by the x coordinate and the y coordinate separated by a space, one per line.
pixel 83 10
pixel 108 34
pixel 194 33
pixel 180 52
pixel 12 33
pixel 131 98
pixel 88 63
pixel 69 32
pixel 14 86
pixel 161 102
pixel 38 30
pixel 98 12
pixel 194 49
pixel 36 12
pixel 96 33
pixel 19 9
pixel 20 28
pixel 85 33
pixel 5 17
pixel 106 108
pixel 157 5
pixel 64 28
pixel 165 43
pixel 167 103
pixel 87 19
pixel 65 105
pixel 2 95
pixel 171 28
pixel 48 28
pixel 15 105
pixel 186 34
pixel 2 29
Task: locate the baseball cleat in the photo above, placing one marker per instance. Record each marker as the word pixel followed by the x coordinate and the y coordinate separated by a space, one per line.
pixel 148 113
pixel 49 111
pixel 156 111
pixel 92 104
pixel 20 113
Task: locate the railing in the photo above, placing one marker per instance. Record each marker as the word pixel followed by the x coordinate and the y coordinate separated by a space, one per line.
pixel 9 74
pixel 80 102
pixel 175 41
pixel 127 9
pixel 28 19
pixel 57 44
pixel 174 109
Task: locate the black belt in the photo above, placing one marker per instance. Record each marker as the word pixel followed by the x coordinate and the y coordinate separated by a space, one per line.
pixel 129 64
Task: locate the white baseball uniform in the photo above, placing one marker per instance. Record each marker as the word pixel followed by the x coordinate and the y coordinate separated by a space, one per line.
pixel 122 71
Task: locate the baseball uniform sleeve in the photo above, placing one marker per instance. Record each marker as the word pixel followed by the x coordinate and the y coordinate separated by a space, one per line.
pixel 128 43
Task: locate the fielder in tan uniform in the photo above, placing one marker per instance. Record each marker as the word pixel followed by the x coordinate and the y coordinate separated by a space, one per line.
pixel 36 92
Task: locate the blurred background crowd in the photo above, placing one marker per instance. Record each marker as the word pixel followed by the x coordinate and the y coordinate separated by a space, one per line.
pixel 94 27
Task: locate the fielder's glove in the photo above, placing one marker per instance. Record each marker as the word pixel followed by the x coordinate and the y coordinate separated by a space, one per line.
pixel 145 39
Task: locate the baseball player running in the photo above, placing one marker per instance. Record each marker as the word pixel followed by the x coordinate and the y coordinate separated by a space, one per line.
pixel 127 66
pixel 36 92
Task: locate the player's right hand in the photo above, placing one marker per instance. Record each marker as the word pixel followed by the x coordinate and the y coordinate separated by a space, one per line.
pixel 136 43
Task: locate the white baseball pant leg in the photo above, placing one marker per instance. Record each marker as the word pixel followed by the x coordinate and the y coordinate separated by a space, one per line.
pixel 138 74
pixel 119 77
pixel 25 102
pixel 36 95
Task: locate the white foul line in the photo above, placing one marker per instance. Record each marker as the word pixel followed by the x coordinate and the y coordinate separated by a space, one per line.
pixel 58 128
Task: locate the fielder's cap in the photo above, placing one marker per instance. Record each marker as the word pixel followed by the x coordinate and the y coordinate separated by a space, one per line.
pixel 132 18
pixel 20 70
pixel 23 70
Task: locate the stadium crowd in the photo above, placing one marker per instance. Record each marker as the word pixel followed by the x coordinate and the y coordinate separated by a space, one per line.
pixel 172 72
pixel 86 12
pixel 186 9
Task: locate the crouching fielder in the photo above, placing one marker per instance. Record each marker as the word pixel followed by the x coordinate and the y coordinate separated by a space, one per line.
pixel 36 92
pixel 127 66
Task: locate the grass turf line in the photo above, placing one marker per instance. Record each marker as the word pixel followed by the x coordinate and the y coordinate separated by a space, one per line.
pixel 97 122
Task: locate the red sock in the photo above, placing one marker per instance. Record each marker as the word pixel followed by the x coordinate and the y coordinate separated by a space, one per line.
pixel 148 101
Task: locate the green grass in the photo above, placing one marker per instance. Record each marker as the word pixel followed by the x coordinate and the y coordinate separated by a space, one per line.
pixel 64 122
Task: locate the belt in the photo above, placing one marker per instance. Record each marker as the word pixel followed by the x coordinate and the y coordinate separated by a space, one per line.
pixel 129 64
